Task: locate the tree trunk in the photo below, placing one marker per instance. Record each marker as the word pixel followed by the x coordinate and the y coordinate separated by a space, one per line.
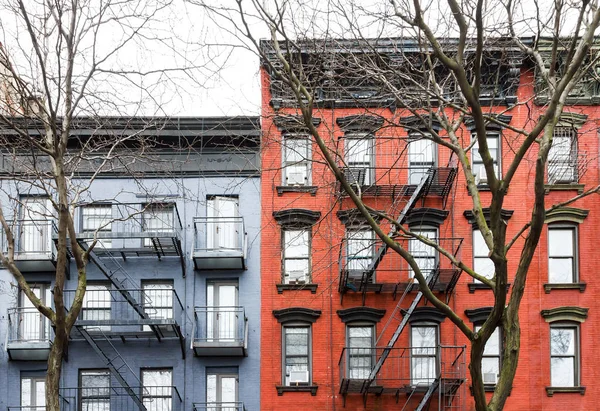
pixel 55 360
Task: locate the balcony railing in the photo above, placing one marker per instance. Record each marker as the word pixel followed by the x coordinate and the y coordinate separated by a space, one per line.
pixel 34 248
pixel 220 243
pixel 404 369
pixel 567 169
pixel 155 398
pixel 219 406
pixel 29 335
pixel 220 331
pixel 129 312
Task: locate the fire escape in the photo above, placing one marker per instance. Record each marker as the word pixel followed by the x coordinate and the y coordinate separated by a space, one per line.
pixel 124 310
pixel 387 369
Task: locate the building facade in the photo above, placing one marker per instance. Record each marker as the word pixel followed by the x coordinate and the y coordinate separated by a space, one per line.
pixel 334 296
pixel 171 315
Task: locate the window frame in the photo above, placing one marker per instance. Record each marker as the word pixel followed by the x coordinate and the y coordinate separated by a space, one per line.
pixel 33 379
pixel 284 258
pixel 166 284
pixel 418 137
pixel 571 158
pixel 480 257
pixel 82 398
pixel 149 215
pixel 499 356
pixel 103 308
pixel 168 396
pixel 371 355
pixel 436 327
pixel 284 356
pixel 419 230
pixel 371 249
pixel 369 167
pixel 307 162
pixel 476 165
pixel 574 229
pixel 219 375
pixel 575 326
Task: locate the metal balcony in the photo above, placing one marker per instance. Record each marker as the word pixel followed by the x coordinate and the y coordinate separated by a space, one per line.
pixel 29 335
pixel 220 331
pixel 220 243
pixel 567 169
pixel 34 249
pixel 129 313
pixel 219 406
pixel 408 370
pixel 154 398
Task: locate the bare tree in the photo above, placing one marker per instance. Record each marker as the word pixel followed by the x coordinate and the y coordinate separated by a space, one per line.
pixel 455 68
pixel 61 61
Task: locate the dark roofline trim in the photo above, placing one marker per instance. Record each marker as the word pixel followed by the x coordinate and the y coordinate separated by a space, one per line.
pixel 470 216
pixel 294 124
pixel 478 315
pixel 296 218
pixel 360 122
pixel 426 216
pixel 355 314
pixel 568 313
pixel 492 126
pixel 571 214
pixel 299 314
pixel 426 314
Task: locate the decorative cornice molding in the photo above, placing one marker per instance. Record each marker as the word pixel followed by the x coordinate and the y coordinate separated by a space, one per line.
pixel 575 120
pixel 570 313
pixel 572 214
pixel 360 122
pixel 361 314
pixel 426 216
pixel 296 218
pixel 294 124
pixel 429 314
pixel 300 314
pixel 416 124
pixel 353 217
pixel 470 216
pixel 492 126
pixel 478 315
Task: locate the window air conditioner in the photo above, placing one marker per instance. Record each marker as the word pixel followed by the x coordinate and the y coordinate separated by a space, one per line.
pixel 296 277
pixel 298 378
pixel 296 177
pixel 490 378
pixel 481 176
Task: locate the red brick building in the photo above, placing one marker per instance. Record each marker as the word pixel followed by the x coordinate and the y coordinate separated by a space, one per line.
pixel 330 295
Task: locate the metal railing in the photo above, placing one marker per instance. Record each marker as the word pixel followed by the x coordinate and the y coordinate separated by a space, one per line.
pixel 32 237
pixel 567 169
pixel 128 309
pixel 404 366
pixel 27 324
pixel 219 235
pixel 220 325
pixel 219 406
pixel 154 398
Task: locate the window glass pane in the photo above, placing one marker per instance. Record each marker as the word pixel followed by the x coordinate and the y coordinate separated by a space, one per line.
pixel 296 150
pixel 421 151
pixel 562 372
pixel 26 392
pixel 211 388
pixel 492 347
pixel 296 267
pixel 562 341
pixel 423 340
pixel 560 242
pixel 560 270
pixel 484 266
pixel 490 366
pixel 358 151
pixel 96 216
pixel 296 244
pixel 423 370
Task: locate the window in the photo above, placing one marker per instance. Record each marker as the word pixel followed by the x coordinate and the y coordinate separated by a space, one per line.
pixel 33 326
pixel 156 391
pixel 95 390
pixel 158 300
pixel 360 158
pixel 223 319
pixel 33 393
pixel 224 230
pixel 361 351
pixel 296 256
pixel 493 142
pixel 157 218
pixel 296 160
pixel 359 252
pixel 96 305
pixel 562 252
pixel 423 354
pixel 564 353
pixel 221 391
pixel 425 256
pixel 421 157
pixel 34 226
pixel 481 263
pixel 562 157
pixel 490 364
pixel 97 217
pixel 296 355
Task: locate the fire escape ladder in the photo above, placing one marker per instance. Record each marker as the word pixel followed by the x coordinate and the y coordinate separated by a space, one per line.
pixel 420 191
pixel 113 360
pixel 428 394
pixel 122 282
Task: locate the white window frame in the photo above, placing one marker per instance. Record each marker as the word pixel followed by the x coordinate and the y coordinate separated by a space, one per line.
pixel 365 355
pixel 97 396
pixel 287 236
pixel 303 163
pixel 422 247
pixel 426 352
pixel 161 292
pixel 418 167
pixel 97 300
pixel 92 220
pixel 31 401
pixel 477 165
pixel 575 356
pixel 157 218
pixel 481 262
pixel 492 357
pixel 218 404
pixel 367 167
pixel 562 157
pixel 365 239
pixel 574 257
pixel 284 361
pixel 151 393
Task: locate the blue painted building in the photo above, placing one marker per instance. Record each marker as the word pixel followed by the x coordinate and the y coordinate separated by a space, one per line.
pixel 171 317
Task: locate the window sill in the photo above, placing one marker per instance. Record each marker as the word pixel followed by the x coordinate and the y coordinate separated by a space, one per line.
pixel 480 286
pixel 297 388
pixel 564 187
pixel 288 287
pixel 550 391
pixel 488 388
pixel 566 286
pixel 312 190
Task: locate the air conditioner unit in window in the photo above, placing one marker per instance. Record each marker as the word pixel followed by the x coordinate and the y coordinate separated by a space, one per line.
pixel 295 277
pixel 296 178
pixel 490 378
pixel 481 176
pixel 298 378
